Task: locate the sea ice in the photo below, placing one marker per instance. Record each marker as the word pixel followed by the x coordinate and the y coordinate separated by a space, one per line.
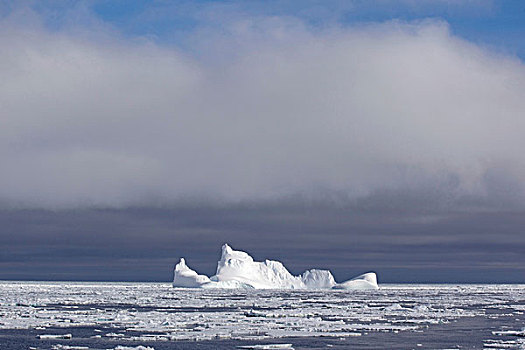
pixel 267 346
pixel 54 336
pixel 148 313
pixel 237 269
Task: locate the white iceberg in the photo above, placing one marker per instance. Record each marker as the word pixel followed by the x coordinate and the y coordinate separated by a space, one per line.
pixel 237 269
pixel 318 279
pixel 365 281
pixel 183 276
pixel 237 266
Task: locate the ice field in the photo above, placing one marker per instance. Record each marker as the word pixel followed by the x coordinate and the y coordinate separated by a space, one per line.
pixel 152 314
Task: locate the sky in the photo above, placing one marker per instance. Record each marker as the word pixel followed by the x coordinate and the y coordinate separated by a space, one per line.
pixel 353 136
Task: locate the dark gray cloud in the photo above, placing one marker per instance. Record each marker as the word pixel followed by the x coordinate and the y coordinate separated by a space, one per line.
pixel 145 243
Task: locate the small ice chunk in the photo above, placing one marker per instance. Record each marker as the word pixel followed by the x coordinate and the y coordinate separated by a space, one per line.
pixel 54 336
pixel 115 335
pixel 267 346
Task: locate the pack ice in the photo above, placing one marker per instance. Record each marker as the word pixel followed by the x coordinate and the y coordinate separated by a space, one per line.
pixel 236 269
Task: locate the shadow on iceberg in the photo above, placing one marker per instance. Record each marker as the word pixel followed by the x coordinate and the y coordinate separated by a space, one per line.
pixel 236 269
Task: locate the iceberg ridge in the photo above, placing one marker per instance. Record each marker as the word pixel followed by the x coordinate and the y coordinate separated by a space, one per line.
pixel 237 269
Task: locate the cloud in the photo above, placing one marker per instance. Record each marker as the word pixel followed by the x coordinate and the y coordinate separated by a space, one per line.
pixel 103 244
pixel 268 108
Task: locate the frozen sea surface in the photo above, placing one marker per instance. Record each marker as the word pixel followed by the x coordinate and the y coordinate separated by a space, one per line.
pixel 53 315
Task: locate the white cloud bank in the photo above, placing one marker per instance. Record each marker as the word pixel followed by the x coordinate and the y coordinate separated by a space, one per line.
pixel 268 110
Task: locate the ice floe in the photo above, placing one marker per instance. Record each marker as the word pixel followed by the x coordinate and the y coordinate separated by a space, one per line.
pixel 237 269
pixel 68 347
pixel 153 312
pixel 54 336
pixel 267 346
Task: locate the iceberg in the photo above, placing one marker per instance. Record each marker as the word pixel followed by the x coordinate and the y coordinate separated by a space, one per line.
pixel 365 281
pixel 237 269
pixel 318 279
pixel 238 266
pixel 183 276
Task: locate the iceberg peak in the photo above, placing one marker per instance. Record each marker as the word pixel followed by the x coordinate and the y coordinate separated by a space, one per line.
pixel 181 266
pixel 226 249
pixel 236 265
pixel 228 255
pixel 183 276
pixel 237 269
